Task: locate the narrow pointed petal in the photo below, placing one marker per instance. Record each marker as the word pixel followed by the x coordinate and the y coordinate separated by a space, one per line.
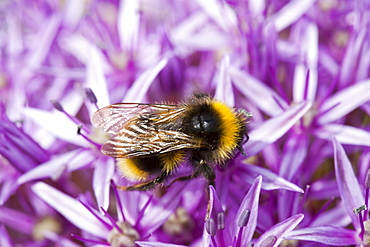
pixel 215 206
pixel 67 162
pixel 344 134
pixel 7 189
pixel 44 40
pixel 95 76
pixel 17 220
pixel 128 24
pixel 349 188
pixel 329 235
pixel 304 89
pixel 344 102
pixel 79 46
pixel 274 128
pixel 71 209
pixel 250 202
pixel 74 11
pixel 271 181
pixel 57 123
pixel 277 233
pixel 185 29
pixel 220 13
pixel 161 210
pixel 156 244
pixel 139 88
pixel 257 7
pixel 295 151
pixel 336 217
pixel 224 89
pixel 289 14
pixel 103 173
pixel 261 95
pixel 5 240
pixel 353 52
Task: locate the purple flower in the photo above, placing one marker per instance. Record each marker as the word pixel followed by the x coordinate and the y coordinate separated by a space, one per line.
pixel 352 198
pixel 29 221
pixel 130 224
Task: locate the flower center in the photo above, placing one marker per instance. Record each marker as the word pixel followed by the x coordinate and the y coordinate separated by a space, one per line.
pixel 45 225
pixel 126 236
pixel 99 136
pixel 179 223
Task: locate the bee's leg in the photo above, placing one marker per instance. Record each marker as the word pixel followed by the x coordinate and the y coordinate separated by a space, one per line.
pixel 210 175
pixel 241 150
pixel 185 178
pixel 149 185
pixel 240 147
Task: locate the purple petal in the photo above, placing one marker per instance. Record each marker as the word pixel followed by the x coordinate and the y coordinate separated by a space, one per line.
pixel 188 26
pixel 17 220
pixel 44 40
pixel 103 173
pixel 187 35
pixel 271 130
pixel 61 240
pixel 277 233
pixel 79 47
pixel 286 50
pixel 128 24
pixel 328 235
pixel 328 62
pixel 215 204
pixel 157 244
pixel 290 13
pixel 5 240
pixel 8 188
pixel 74 11
pixel 56 123
pixel 353 52
pixel 216 219
pixel 132 202
pixel 67 162
pixel 257 7
pixel 140 87
pixel 224 89
pixel 335 217
pixel 220 13
pixel 161 210
pixel 250 202
pixel 344 134
pixel 364 64
pixel 95 78
pixel 271 181
pixel 344 102
pixel 256 91
pixel 324 189
pixel 366 107
pixel 304 89
pixel 295 151
pixel 349 188
pixel 71 209
pixel 14 34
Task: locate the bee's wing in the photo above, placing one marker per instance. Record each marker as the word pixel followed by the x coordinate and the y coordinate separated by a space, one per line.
pixel 143 129
pixel 112 118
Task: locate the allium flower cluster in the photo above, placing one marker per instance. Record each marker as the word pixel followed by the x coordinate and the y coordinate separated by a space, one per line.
pixel 302 68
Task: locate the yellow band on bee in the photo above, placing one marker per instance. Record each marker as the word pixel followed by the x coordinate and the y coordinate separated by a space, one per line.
pixel 171 159
pixel 230 126
pixel 129 169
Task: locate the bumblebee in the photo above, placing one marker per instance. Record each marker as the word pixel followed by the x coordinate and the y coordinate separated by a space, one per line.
pixel 150 141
